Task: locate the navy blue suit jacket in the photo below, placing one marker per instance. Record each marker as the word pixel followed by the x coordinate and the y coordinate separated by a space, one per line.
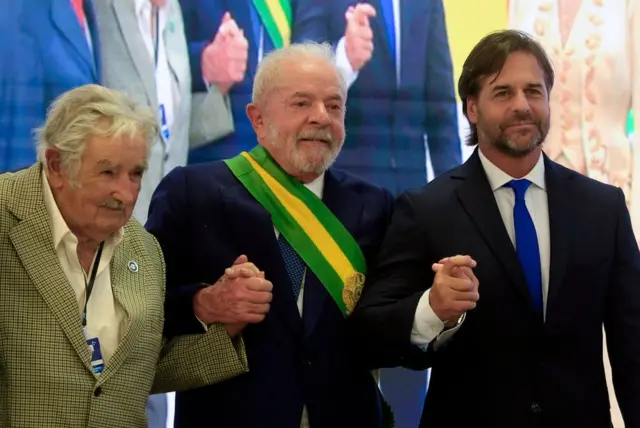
pixel 49 55
pixel 204 218
pixel 508 368
pixel 202 19
pixel 386 122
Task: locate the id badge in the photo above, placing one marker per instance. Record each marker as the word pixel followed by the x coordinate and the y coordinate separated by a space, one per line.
pixel 97 363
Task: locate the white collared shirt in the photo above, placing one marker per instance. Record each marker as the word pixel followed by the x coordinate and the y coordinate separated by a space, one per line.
pixel 426 324
pixel 167 90
pixel 106 319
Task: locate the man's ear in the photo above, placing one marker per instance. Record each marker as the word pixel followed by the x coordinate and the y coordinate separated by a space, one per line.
pixel 54 170
pixel 472 110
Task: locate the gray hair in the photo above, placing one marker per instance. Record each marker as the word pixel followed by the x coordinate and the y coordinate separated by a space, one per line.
pixel 270 68
pixel 92 110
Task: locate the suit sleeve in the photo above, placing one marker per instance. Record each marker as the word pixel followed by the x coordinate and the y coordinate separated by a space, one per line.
pixel 197 360
pixel 622 318
pixel 167 221
pixel 383 319
pixel 441 121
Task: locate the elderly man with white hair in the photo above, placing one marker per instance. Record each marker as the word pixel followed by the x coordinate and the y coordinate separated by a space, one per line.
pixel 313 230
pixel 82 285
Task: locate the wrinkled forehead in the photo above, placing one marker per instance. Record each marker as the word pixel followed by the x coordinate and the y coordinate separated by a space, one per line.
pixel 128 152
pixel 520 71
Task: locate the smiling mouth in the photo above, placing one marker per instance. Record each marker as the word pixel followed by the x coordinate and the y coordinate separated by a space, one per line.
pixel 314 140
pixel 518 125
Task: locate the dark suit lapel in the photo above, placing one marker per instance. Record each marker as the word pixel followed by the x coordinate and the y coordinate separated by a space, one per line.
pixel 560 214
pixel 477 199
pixel 65 20
pixel 347 207
pixel 253 228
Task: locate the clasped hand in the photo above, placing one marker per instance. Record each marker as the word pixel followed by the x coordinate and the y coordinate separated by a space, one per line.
pixel 241 296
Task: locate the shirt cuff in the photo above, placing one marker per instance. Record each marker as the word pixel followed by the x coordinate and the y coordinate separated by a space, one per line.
pixel 427 327
pixel 342 62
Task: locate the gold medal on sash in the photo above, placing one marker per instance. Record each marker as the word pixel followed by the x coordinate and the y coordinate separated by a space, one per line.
pixel 352 290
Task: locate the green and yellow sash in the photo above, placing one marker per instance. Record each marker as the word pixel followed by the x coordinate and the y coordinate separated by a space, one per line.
pixel 276 18
pixel 314 232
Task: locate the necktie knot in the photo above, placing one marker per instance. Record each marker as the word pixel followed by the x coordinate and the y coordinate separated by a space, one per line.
pixel 519 187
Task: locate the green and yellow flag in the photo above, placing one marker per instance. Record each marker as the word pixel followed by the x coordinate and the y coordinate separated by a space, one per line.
pixel 276 17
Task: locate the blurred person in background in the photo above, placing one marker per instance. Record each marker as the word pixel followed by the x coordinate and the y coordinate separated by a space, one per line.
pixel 83 284
pixel 227 40
pixel 55 46
pixel 145 54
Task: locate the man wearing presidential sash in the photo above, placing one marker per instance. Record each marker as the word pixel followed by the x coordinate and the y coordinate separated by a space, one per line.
pixel 312 230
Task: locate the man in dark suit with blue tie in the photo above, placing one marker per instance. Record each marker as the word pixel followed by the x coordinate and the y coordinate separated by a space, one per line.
pixel 311 229
pixel 227 40
pixel 55 47
pixel 555 258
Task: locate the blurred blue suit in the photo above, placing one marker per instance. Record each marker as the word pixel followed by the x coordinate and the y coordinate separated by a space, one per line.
pixel 48 55
pixel 202 19
pixel 389 113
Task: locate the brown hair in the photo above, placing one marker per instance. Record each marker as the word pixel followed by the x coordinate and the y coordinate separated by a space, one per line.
pixel 488 58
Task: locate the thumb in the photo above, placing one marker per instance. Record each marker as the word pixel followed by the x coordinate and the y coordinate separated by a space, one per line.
pixel 363 12
pixel 234 30
pixel 447 267
pixel 451 262
pixel 226 17
pixel 241 259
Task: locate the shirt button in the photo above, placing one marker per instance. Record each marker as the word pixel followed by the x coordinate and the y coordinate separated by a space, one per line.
pixel 97 392
pixel 535 408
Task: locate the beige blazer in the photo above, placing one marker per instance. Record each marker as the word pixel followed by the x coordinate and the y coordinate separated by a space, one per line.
pixel 45 373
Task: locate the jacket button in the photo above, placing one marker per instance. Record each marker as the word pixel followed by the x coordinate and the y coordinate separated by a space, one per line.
pixel 535 408
pixel 97 392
